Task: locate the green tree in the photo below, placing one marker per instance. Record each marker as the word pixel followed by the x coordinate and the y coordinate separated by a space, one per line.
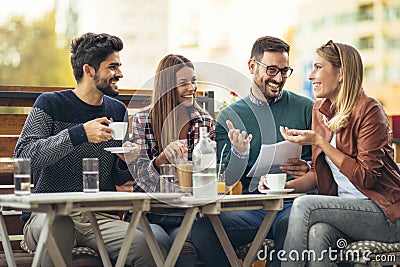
pixel 29 54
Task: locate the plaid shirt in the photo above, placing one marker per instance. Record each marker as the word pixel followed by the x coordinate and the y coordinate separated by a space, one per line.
pixel 147 176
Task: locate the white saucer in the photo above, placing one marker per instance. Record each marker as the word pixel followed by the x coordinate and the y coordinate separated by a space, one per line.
pixel 122 149
pixel 277 191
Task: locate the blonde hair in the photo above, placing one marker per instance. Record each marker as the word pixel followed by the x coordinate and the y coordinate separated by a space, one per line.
pixel 347 59
pixel 165 99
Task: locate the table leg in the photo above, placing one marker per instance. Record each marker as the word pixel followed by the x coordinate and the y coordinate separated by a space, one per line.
pixel 177 245
pixel 260 237
pixel 99 240
pixel 123 253
pixel 6 242
pixel 151 241
pixel 180 238
pixel 224 240
pixel 54 252
pixel 44 241
pixel 273 208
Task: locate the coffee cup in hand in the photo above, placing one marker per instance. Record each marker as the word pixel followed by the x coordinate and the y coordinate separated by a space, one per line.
pixel 275 181
pixel 119 130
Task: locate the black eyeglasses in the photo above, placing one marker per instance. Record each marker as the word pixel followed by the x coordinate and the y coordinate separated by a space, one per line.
pixel 273 71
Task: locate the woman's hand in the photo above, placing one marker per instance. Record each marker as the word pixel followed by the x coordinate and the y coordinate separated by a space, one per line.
pixel 172 152
pixel 301 137
pixel 261 185
pixel 129 156
pixel 296 167
pixel 238 139
pixel 308 137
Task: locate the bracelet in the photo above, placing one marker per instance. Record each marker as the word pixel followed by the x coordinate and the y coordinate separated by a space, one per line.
pixel 239 155
pixel 309 164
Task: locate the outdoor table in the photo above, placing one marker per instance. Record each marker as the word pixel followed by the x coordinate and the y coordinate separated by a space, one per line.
pixel 191 206
pixel 54 204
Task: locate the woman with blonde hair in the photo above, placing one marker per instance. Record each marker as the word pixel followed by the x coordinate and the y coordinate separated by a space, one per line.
pixel 353 165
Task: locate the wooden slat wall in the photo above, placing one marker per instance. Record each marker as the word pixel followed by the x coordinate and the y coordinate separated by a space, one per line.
pixel 6 171
pixel 11 102
pixel 7 145
pixel 12 123
pixel 42 89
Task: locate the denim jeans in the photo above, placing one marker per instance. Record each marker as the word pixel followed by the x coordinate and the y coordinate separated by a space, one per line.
pixel 320 224
pixel 241 227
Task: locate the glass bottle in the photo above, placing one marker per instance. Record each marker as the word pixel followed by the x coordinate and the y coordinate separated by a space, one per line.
pixel 204 167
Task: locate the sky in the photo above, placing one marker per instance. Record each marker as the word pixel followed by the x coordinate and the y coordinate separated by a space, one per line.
pixel 30 9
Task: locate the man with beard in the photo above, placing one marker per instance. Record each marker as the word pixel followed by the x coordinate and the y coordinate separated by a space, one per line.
pixel 66 126
pixel 243 127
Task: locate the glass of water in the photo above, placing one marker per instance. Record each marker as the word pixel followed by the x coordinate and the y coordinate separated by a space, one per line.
pixel 168 180
pixel 90 168
pixel 22 176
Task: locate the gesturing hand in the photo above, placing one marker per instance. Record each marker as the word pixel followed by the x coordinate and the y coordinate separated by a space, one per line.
pixel 97 130
pixel 238 139
pixel 301 137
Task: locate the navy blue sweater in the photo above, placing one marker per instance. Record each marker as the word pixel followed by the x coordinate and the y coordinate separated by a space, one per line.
pixel 54 139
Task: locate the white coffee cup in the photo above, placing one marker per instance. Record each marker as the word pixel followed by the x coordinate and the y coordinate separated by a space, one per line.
pixel 119 130
pixel 275 181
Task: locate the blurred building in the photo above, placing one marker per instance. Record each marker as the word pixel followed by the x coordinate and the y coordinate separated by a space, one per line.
pixel 143 25
pixel 220 31
pixel 372 26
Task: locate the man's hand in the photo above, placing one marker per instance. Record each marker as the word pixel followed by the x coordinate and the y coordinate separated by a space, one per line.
pixel 238 139
pixel 97 130
pixel 296 167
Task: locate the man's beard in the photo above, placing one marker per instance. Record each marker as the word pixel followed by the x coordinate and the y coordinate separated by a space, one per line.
pixel 105 87
pixel 263 88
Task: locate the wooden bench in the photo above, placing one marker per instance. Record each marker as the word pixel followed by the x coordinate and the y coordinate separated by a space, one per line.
pixel 15 103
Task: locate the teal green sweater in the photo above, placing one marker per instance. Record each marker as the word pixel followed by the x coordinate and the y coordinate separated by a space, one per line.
pixel 292 110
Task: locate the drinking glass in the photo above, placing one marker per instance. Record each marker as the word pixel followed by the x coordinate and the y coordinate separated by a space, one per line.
pixel 221 179
pixel 90 167
pixel 168 178
pixel 184 170
pixel 22 176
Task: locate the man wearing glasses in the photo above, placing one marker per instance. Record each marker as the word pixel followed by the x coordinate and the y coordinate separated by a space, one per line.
pixel 247 124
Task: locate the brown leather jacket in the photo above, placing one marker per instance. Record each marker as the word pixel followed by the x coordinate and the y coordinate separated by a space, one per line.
pixel 368 163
